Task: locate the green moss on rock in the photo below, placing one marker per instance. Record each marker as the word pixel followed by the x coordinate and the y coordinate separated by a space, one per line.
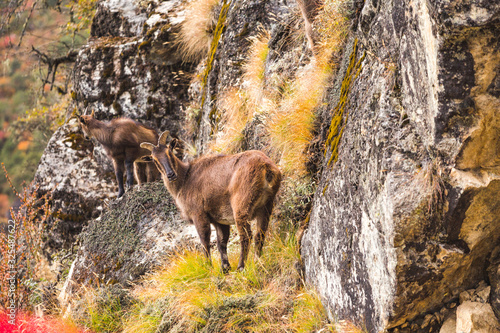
pixel 219 29
pixel 338 122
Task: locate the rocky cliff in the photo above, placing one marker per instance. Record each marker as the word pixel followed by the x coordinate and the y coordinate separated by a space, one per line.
pixel 405 220
pixel 406 215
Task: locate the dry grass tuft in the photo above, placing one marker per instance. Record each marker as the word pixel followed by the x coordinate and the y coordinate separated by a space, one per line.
pixel 266 297
pixel 332 26
pixel 195 35
pixel 344 326
pixel 21 246
pixel 240 105
pixel 255 66
pixel 101 308
pixel 291 125
pixel 236 114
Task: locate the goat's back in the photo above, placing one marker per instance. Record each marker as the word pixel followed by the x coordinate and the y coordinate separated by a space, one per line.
pixel 221 182
pixel 129 133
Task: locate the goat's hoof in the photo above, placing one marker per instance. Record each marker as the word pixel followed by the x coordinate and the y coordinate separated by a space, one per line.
pixel 241 268
pixel 226 269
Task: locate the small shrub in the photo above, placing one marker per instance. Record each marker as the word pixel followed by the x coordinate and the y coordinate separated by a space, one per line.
pixel 296 201
pixel 21 248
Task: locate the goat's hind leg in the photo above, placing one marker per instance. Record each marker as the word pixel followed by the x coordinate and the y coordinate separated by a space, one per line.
pixel 262 215
pixel 129 166
pixel 118 166
pixel 222 239
pixel 242 209
pixel 245 232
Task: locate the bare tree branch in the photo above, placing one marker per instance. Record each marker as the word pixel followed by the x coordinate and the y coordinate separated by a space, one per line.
pixel 53 63
pixel 27 21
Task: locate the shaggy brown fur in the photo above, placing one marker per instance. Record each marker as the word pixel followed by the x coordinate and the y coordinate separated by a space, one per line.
pixel 221 190
pixel 121 139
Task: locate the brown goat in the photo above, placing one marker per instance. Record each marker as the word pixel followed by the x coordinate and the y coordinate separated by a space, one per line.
pixel 221 190
pixel 121 139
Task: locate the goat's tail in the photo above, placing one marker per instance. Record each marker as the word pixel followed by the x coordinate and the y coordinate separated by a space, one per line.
pixel 273 177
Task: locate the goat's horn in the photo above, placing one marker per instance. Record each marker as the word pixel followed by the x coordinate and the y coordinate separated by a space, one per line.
pixel 147 145
pixel 163 138
pixel 93 113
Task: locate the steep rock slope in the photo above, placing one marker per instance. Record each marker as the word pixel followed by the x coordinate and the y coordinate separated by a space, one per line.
pixel 128 68
pixel 239 22
pixel 407 211
pixel 405 216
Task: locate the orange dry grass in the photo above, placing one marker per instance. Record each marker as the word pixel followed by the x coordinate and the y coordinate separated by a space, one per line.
pixel 236 114
pixel 290 114
pixel 239 105
pixel 291 125
pixel 254 67
pixel 195 35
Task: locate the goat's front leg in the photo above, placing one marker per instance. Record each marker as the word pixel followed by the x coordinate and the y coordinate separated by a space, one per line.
pixel 202 224
pixel 139 172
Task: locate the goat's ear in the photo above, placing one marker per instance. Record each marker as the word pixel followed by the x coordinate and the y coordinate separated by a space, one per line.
pixel 81 119
pixel 147 145
pixel 163 138
pixel 92 114
pixel 146 158
pixel 174 143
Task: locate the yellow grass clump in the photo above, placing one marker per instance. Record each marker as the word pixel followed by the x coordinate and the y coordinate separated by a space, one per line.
pixel 255 66
pixel 291 125
pixel 235 115
pixel 288 111
pixel 267 296
pixel 239 106
pixel 195 34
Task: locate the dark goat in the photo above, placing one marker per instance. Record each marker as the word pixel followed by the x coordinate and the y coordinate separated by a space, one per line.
pixel 121 139
pixel 221 190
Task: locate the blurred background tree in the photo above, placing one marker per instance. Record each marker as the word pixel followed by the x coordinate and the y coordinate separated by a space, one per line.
pixel 34 99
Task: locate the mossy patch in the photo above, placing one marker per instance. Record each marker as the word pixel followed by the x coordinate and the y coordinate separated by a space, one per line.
pixel 77 142
pixel 112 239
pixel 219 29
pixel 339 120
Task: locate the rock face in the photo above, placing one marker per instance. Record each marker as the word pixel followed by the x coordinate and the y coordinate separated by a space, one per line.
pixel 132 236
pixel 80 185
pixel 407 216
pixel 128 68
pixel 239 22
